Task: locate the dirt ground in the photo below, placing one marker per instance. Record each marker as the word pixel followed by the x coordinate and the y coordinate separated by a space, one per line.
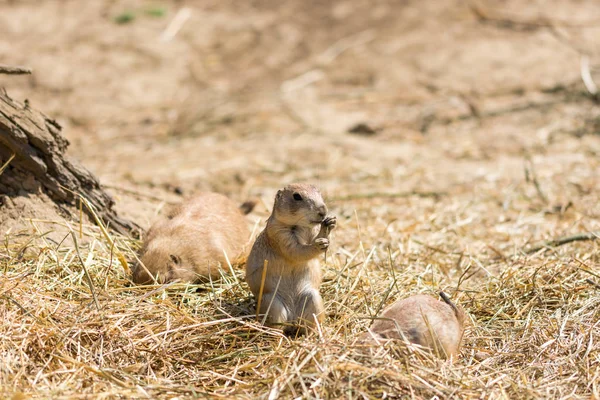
pixel 433 128
pixel 247 97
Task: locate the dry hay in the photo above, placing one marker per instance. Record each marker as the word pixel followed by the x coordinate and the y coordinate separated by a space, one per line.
pixel 533 333
pixel 416 212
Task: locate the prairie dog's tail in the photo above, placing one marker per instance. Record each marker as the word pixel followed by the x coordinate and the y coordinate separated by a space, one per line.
pixel 247 206
pixel 460 314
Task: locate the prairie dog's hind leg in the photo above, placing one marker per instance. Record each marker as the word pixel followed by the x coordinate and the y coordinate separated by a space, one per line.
pixel 277 313
pixel 309 307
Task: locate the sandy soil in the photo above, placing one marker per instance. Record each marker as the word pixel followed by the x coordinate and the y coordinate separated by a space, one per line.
pixel 246 98
pixel 476 133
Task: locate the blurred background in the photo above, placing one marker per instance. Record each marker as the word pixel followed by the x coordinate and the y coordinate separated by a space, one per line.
pixel 160 99
pixel 454 140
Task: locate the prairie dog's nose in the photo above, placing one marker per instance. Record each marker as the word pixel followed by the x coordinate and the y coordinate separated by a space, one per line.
pixel 322 211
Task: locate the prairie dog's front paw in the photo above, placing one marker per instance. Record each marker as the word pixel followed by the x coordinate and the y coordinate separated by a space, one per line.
pixel 322 243
pixel 330 222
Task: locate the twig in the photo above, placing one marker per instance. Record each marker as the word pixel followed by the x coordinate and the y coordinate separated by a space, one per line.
pixel 23 309
pixel 8 70
pixel 262 286
pixel 513 21
pixel 586 269
pixel 390 195
pixel 586 76
pixel 162 287
pixel 484 16
pixel 530 175
pixel 103 229
pixel 91 369
pixel 235 278
pixel 436 249
pixel 329 55
pixel 386 295
pixel 273 296
pixel 85 271
pixel 176 24
pixel 563 240
pixel 3 167
pixel 462 276
pixel 498 252
pixel 302 81
pixel 591 282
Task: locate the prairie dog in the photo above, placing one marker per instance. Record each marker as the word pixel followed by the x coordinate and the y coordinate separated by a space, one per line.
pixel 188 243
pixel 297 233
pixel 423 320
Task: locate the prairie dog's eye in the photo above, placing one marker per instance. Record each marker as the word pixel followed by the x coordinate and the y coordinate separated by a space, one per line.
pixel 297 197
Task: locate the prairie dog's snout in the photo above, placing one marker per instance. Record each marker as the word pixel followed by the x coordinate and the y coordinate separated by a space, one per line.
pixel 424 320
pixel 300 205
pixel 296 234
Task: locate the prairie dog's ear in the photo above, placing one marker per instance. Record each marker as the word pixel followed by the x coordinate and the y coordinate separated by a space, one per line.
pixel 247 206
pixel 175 259
pixel 279 194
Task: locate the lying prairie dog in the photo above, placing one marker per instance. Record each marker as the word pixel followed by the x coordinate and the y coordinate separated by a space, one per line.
pixel 189 242
pixel 297 233
pixel 423 320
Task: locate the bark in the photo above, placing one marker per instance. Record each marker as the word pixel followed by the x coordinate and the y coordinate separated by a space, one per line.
pixel 39 149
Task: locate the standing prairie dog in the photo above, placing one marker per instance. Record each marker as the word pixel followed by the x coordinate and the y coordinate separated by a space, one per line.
pixel 189 243
pixel 423 320
pixel 297 233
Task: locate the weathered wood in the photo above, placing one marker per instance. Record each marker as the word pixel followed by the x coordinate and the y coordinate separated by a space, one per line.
pixel 10 70
pixel 563 240
pixel 39 150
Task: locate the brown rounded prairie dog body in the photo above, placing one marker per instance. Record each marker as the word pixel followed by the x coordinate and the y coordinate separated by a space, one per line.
pixel 188 243
pixel 297 233
pixel 423 320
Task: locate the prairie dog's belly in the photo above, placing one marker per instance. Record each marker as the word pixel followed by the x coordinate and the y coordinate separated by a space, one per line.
pixel 300 279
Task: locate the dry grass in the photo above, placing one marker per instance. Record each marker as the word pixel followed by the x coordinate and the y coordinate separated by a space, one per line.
pixel 437 199
pixel 534 331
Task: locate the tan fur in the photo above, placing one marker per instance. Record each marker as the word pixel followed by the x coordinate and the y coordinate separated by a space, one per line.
pixel 188 243
pixel 296 235
pixel 423 320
